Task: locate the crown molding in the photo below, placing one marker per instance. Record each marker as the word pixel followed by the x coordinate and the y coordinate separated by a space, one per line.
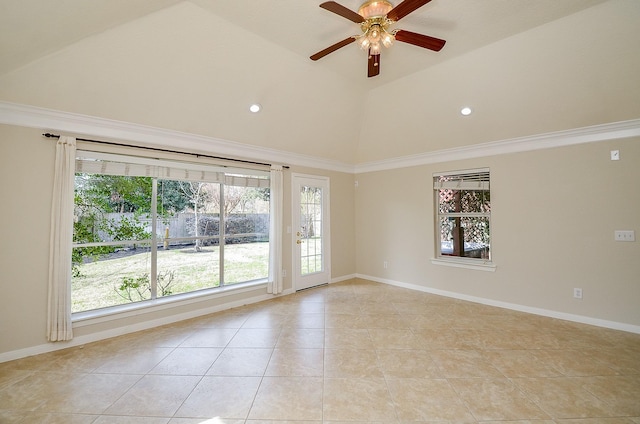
pixel 611 131
pixel 143 135
pixel 84 125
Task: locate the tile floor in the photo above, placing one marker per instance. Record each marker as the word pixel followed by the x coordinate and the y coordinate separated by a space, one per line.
pixel 353 352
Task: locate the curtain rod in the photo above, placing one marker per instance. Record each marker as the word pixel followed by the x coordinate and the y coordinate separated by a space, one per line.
pixel 198 155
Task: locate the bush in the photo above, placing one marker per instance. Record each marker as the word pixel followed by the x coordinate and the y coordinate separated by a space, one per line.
pixel 135 289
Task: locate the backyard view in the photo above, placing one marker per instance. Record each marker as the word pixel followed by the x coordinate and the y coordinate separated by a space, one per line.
pixel 138 238
pixel 180 270
pixel 464 211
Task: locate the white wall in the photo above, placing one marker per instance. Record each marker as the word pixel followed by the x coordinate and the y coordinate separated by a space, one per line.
pixel 554 213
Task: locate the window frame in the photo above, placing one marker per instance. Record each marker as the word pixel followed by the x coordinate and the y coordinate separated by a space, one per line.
pixel 482 264
pixel 230 176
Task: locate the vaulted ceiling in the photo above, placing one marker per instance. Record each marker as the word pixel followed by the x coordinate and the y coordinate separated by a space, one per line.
pixel 195 66
pixel 30 29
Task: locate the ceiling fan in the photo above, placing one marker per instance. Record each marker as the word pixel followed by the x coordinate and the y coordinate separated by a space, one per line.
pixel 375 17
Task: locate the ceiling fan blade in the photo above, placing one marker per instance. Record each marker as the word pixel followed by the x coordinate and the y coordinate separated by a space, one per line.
pixel 404 8
pixel 420 40
pixel 333 48
pixel 339 9
pixel 373 68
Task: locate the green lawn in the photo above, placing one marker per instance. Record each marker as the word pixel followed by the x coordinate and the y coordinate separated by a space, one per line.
pixel 97 287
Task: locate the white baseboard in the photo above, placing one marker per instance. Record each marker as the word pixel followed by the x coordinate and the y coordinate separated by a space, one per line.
pixel 102 335
pixel 512 306
pixel 94 337
pixel 343 278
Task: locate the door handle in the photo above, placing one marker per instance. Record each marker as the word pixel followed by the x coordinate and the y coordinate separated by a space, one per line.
pixel 299 242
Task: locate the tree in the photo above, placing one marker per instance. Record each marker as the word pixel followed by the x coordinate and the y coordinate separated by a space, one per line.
pixel 171 198
pixel 461 229
pixel 198 196
pixel 86 227
pixel 117 193
pixel 95 196
pixel 238 199
pixel 310 197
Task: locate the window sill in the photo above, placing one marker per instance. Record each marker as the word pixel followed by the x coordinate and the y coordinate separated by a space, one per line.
pixel 96 316
pixel 461 263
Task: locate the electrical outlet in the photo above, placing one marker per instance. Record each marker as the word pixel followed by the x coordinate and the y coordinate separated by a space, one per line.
pixel 284 272
pixel 385 264
pixel 624 235
pixel 577 293
pixel 615 155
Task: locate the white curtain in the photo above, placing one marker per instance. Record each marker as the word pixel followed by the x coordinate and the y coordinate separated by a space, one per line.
pixel 275 231
pixel 59 314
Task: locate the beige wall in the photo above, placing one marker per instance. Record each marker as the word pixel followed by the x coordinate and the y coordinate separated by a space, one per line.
pixel 554 213
pixel 26 168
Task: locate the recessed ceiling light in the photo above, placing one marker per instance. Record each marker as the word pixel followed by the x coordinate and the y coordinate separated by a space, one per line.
pixel 466 111
pixel 255 108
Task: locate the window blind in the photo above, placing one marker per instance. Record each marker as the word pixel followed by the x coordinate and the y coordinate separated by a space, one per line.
pixel 468 180
pixel 109 164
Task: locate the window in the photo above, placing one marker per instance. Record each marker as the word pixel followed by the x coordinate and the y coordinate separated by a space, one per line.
pixel 463 215
pixel 146 229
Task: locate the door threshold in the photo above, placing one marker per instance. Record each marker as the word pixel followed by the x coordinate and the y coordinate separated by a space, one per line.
pixel 312 287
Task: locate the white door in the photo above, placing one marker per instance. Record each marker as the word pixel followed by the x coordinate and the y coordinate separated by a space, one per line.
pixel 310 215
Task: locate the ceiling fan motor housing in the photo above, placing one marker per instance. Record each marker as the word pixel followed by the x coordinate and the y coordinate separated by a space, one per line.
pixel 374 9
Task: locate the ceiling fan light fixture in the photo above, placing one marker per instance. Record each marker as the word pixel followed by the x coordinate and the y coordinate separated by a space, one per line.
pixel 375 34
pixel 364 42
pixel 388 39
pixel 375 8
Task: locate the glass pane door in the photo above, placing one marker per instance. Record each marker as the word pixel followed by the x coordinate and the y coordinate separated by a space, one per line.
pixel 311 231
